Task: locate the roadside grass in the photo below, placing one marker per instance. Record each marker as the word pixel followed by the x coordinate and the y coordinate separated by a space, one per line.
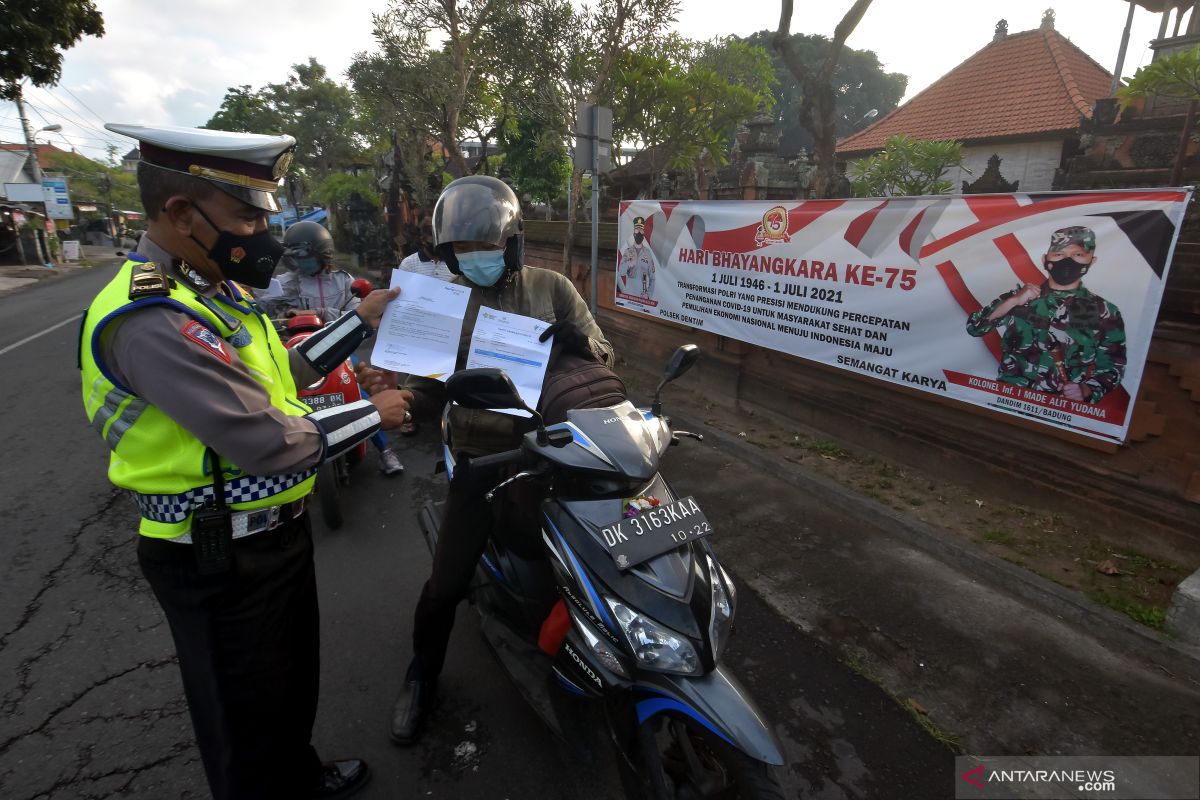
pixel 857 660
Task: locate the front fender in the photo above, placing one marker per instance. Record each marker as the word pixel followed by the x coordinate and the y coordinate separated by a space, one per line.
pixel 715 700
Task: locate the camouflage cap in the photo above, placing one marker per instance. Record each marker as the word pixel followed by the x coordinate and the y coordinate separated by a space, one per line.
pixel 1076 234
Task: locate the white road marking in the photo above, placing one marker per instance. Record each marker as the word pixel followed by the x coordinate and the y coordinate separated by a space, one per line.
pixel 51 329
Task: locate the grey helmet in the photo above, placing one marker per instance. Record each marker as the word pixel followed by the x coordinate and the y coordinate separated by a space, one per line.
pixel 478 208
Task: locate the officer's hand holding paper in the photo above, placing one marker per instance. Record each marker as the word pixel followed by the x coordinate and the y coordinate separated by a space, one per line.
pixel 420 330
pixel 510 342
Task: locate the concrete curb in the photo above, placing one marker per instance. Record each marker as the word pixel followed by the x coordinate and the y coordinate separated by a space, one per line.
pixel 1114 630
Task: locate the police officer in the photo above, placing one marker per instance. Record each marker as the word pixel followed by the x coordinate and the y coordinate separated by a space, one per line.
pixel 193 392
pixel 478 233
pixel 1058 337
pixel 312 283
pixel 637 263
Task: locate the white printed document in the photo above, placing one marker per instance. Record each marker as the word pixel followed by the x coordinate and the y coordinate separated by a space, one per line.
pixel 510 342
pixel 420 330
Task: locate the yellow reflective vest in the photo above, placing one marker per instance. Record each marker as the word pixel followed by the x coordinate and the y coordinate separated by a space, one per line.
pixel 161 463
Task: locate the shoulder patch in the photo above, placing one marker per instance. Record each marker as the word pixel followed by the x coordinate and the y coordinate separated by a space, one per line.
pixel 202 336
pixel 148 279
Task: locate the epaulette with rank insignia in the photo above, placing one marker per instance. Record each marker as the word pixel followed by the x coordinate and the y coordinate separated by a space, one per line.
pixel 149 280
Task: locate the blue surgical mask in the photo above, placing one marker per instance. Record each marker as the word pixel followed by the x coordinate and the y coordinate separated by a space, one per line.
pixel 309 265
pixel 482 267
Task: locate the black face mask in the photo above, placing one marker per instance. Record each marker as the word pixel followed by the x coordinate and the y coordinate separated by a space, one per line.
pixel 246 259
pixel 1066 271
pixel 638 237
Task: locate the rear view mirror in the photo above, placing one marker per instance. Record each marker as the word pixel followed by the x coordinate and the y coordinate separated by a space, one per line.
pixel 483 388
pixel 681 361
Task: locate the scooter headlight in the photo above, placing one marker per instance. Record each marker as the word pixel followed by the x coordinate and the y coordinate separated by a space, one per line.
pixel 656 646
pixel 721 622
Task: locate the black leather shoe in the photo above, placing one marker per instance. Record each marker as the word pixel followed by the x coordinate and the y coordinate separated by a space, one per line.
pixel 341 779
pixel 411 709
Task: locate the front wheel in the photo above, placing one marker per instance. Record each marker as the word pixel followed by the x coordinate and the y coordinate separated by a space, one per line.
pixel 683 759
pixel 328 491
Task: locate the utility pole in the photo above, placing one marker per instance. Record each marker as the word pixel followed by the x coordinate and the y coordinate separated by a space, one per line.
pixel 30 144
pixel 112 213
pixel 34 168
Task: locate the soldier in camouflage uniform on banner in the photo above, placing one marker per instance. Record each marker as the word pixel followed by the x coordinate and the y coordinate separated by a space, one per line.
pixel 1058 337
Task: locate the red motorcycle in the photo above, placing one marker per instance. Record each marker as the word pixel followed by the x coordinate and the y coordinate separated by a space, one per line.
pixel 335 389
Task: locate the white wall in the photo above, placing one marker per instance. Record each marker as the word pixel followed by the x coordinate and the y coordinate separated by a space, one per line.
pixel 1031 163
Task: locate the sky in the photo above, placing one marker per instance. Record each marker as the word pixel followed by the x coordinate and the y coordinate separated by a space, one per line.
pixel 171 63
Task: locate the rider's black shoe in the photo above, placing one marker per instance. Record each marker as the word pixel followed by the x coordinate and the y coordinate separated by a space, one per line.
pixel 412 706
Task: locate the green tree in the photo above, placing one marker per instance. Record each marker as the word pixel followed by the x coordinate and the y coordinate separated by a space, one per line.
pixel 906 167
pixel 537 160
pixel 34 33
pixel 321 113
pixel 353 205
pixel 93 182
pixel 1171 77
pixel 685 99
pixel 862 87
pixel 818 108
pixel 248 110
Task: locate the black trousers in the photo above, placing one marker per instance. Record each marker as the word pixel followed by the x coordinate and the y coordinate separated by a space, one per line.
pixel 462 536
pixel 248 645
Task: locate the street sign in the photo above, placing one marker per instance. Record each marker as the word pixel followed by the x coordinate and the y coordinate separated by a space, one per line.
pixel 23 192
pixel 57 198
pixel 70 250
pixel 593 129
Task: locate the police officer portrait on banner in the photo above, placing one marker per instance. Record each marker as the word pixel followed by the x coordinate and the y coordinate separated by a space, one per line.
pixel 1058 337
pixel 187 383
pixel 638 266
pixel 478 233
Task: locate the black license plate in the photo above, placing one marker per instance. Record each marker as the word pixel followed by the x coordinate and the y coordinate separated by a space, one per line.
pixel 632 540
pixel 320 402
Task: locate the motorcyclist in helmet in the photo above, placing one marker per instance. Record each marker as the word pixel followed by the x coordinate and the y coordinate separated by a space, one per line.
pixel 312 284
pixel 477 232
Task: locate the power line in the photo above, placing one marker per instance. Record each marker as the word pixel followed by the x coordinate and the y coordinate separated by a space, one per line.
pixel 80 119
pixel 85 105
pixel 73 120
pixel 75 135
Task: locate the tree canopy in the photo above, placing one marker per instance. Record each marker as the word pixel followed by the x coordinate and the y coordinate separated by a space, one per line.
pixel 860 83
pixel 320 112
pixel 906 167
pixel 34 34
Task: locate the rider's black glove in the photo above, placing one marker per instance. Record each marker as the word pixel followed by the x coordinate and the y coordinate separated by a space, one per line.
pixel 569 338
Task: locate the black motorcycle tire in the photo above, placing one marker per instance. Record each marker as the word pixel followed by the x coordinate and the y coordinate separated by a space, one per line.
pixel 666 774
pixel 328 495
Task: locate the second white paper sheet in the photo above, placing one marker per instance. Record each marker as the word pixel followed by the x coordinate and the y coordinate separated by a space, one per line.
pixel 510 342
pixel 421 329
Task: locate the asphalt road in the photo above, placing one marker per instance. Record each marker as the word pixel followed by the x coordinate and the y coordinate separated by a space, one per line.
pixel 91 705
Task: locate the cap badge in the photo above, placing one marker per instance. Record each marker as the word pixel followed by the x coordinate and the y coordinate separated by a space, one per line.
pixel 282 164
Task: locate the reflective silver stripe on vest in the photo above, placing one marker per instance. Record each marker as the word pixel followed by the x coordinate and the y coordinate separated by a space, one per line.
pixel 174 508
pixel 112 402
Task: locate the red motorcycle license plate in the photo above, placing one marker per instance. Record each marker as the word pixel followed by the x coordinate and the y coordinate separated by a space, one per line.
pixel 320 402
